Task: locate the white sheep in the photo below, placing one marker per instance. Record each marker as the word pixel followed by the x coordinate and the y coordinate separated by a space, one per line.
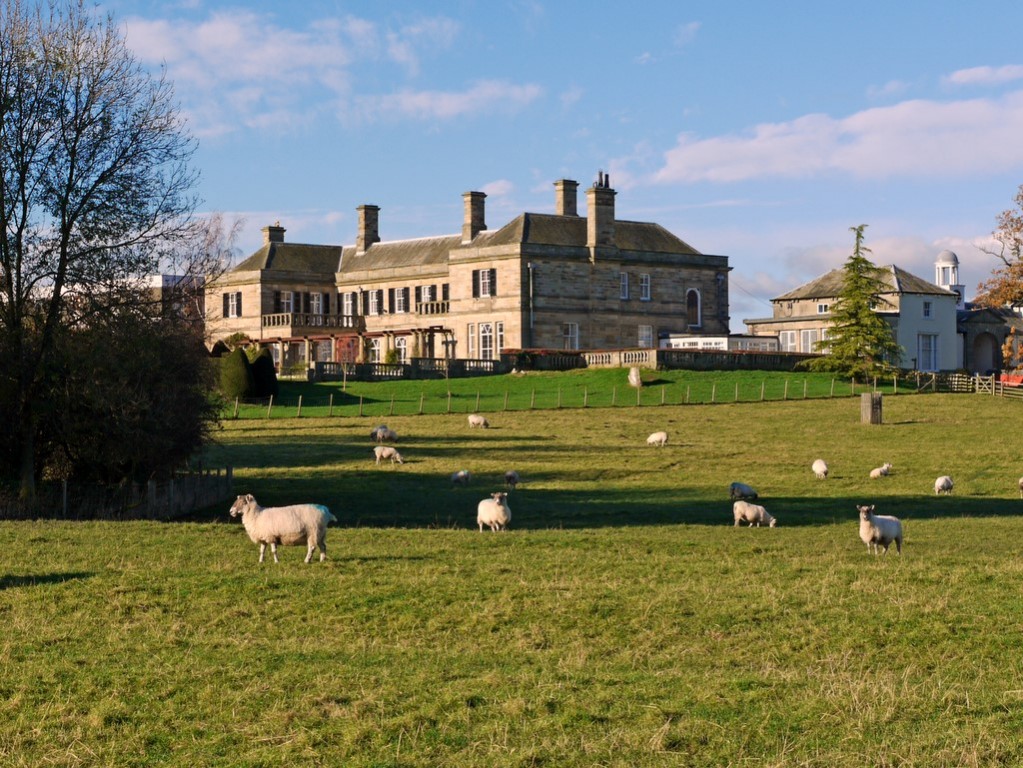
pixel 754 514
pixel 475 420
pixel 461 477
pixel 383 434
pixel 879 530
pixel 943 485
pixel 290 526
pixel 741 491
pixel 658 439
pixel 388 452
pixel 883 471
pixel 494 512
pixel 511 478
pixel 820 469
pixel 1021 487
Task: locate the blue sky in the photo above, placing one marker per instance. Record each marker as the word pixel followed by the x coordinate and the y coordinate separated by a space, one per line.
pixel 758 130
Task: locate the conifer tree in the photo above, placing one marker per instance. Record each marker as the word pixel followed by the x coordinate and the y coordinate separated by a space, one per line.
pixel 860 342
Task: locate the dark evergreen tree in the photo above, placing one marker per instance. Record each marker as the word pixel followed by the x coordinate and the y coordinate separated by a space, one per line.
pixel 860 341
pixel 264 374
pixel 236 379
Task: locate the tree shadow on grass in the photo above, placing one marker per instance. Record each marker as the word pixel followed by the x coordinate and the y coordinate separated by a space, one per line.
pixel 35 580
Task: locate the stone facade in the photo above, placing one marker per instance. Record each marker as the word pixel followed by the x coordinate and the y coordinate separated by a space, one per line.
pixel 540 281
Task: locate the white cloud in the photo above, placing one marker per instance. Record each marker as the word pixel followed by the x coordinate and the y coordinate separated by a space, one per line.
pixel 910 139
pixel 483 97
pixel 404 45
pixel 985 75
pixel 685 34
pixel 498 188
pixel 891 88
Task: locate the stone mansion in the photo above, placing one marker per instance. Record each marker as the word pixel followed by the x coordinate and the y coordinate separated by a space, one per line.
pixel 543 280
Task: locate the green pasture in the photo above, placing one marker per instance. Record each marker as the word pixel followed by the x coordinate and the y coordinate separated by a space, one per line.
pixel 622 621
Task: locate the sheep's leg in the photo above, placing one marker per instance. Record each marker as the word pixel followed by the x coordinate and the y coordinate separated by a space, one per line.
pixel 898 545
pixel 262 549
pixel 323 551
pixel 273 549
pixel 309 552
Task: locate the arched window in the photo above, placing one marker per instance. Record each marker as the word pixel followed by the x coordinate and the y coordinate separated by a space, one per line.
pixel 401 347
pixel 693 317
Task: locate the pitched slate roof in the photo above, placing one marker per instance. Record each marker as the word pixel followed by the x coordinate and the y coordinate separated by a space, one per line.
pixel 829 285
pixel 570 232
pixel 293 257
pixel 400 253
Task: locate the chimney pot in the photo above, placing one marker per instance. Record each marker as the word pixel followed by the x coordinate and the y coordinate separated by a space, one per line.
pixel 566 197
pixel 474 220
pixel 273 233
pixel 369 227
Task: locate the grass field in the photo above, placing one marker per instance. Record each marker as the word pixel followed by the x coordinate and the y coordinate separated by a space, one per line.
pixel 622 621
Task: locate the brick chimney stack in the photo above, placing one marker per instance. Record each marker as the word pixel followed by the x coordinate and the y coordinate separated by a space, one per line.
pixel 273 233
pixel 600 215
pixel 565 197
pixel 369 227
pixel 474 221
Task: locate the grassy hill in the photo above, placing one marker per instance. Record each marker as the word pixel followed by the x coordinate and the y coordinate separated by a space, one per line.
pixel 622 621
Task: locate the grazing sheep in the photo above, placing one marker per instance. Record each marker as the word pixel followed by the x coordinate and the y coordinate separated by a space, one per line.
pixel 883 471
pixel 741 491
pixel 943 485
pixel 494 512
pixel 754 514
pixel 289 526
pixel 388 452
pixel 1021 487
pixel 383 434
pixel 658 439
pixel 475 420
pixel 820 469
pixel 511 478
pixel 879 529
pixel 461 477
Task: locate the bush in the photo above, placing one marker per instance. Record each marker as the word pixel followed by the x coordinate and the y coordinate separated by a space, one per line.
pixel 236 379
pixel 264 374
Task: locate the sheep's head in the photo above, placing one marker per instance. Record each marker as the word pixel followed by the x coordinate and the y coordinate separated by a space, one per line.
pixel 865 512
pixel 774 522
pixel 499 497
pixel 242 504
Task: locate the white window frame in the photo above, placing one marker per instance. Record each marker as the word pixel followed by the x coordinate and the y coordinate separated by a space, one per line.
pixel 823 309
pixel 470 335
pixel 232 304
pixel 315 303
pixel 428 293
pixel 486 341
pixel 623 286
pixel 374 303
pixel 287 302
pixel 644 287
pixel 645 337
pixel 484 286
pixel 808 338
pixel 699 308
pixel 932 363
pixel 787 341
pixel 570 333
pixel 499 336
pixel 347 304
pixel 375 350
pixel 399 301
pixel 401 347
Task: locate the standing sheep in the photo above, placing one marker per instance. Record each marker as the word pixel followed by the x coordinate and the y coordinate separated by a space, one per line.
pixel 658 439
pixel 754 514
pixel 882 471
pixel 1021 487
pixel 820 469
pixel 388 452
pixel 494 512
pixel 461 477
pixel 475 420
pixel 289 526
pixel 879 530
pixel 943 485
pixel 741 491
pixel 383 434
pixel 511 478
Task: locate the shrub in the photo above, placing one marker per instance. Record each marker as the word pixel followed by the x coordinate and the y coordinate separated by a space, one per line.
pixel 236 379
pixel 264 374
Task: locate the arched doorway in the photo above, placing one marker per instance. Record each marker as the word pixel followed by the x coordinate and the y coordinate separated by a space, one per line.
pixel 986 355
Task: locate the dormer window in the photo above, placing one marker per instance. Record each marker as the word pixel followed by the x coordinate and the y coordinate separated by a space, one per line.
pixel 823 309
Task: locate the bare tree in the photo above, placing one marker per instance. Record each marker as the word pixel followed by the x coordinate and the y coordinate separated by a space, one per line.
pixel 95 183
pixel 1005 286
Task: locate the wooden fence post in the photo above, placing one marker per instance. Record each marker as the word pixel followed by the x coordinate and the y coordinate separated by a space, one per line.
pixel 785 394
pixel 763 384
pixel 449 402
pixel 269 406
pixel 422 396
pixel 804 388
pixel 585 397
pixel 832 388
pixel 870 407
pixel 360 405
pixel 506 400
pixel 713 391
pixel 298 415
pixel 736 391
pixel 477 401
pixel 236 407
pixel 391 413
pixel 330 412
pixel 532 399
pixel 614 394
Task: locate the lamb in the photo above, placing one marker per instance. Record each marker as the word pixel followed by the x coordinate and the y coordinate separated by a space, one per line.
pixel 879 529
pixel 494 512
pixel 741 491
pixel 388 452
pixel 754 514
pixel 290 526
pixel 820 469
pixel 475 420
pixel 943 485
pixel 658 439
pixel 511 478
pixel 882 471
pixel 461 477
pixel 383 434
